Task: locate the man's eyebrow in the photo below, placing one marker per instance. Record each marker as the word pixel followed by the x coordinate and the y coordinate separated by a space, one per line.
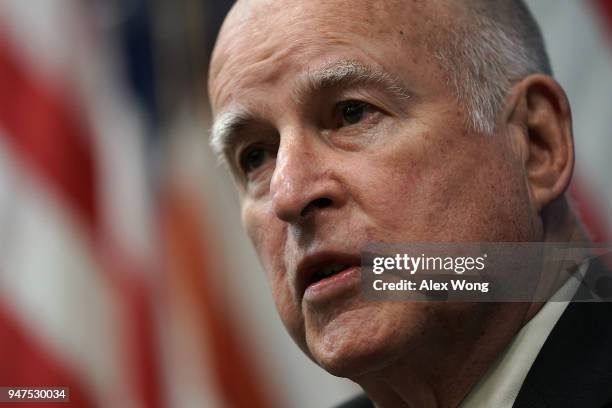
pixel 224 131
pixel 350 73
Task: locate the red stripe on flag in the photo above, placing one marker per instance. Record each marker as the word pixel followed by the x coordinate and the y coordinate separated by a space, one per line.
pixel 46 134
pixel 42 129
pixel 139 331
pixel 604 11
pixel 239 381
pixel 606 8
pixel 25 363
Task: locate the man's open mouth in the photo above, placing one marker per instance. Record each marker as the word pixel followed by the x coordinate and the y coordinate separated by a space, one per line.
pixel 323 266
pixel 328 271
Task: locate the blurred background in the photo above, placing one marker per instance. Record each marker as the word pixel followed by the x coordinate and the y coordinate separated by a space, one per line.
pixel 124 272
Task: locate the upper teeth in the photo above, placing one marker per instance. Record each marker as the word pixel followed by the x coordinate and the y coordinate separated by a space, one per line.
pixel 331 269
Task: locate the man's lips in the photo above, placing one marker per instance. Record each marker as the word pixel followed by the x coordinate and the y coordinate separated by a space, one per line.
pixel 322 266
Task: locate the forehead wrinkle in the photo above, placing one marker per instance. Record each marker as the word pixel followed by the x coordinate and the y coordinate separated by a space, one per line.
pixel 346 73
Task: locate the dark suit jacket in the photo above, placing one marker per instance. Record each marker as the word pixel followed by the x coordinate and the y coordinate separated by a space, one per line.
pixel 574 366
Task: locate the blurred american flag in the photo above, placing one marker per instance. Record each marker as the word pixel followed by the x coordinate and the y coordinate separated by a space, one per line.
pixel 104 268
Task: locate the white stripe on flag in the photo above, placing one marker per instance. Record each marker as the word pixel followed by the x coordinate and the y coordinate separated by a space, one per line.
pixel 50 278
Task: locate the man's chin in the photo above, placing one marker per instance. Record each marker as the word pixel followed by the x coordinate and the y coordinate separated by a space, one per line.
pixel 353 343
pixel 352 363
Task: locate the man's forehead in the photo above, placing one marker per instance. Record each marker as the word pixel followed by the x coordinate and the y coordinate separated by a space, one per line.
pixel 261 32
pixel 262 17
pixel 258 21
pixel 257 24
pixel 254 9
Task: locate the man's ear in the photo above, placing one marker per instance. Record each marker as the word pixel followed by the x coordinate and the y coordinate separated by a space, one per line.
pixel 538 114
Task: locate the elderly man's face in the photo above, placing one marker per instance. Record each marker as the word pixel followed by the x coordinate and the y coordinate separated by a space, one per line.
pixel 342 130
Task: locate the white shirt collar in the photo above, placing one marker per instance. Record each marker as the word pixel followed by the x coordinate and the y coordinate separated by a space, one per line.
pixel 502 383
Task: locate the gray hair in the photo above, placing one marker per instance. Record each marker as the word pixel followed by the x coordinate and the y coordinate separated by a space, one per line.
pixel 497 44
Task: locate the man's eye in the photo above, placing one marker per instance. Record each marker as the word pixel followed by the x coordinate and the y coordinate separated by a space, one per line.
pixel 353 112
pixel 254 158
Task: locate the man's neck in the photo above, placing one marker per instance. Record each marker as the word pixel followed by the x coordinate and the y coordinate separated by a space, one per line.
pixel 442 376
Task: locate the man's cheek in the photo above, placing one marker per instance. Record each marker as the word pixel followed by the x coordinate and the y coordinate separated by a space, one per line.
pixel 250 221
pixel 289 309
pixel 261 227
pixel 267 237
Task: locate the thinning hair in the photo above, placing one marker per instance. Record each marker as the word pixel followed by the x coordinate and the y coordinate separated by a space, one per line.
pixel 494 44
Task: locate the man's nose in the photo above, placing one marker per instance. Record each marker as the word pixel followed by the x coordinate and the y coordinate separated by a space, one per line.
pixel 304 181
